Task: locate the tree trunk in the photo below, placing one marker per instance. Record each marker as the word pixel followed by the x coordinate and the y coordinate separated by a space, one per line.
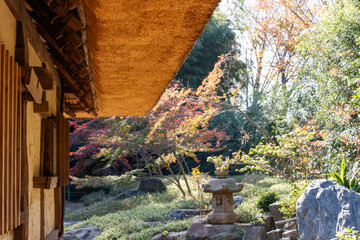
pixel 181 168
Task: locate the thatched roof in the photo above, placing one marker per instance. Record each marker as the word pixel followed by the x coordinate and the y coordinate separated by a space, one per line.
pixel 134 49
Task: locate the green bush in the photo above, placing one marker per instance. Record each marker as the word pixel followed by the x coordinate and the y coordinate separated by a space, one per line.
pixel 288 203
pixel 348 234
pixel 266 199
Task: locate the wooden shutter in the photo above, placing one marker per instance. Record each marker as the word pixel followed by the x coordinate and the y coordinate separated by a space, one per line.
pixel 55 153
pixel 10 141
pixel 63 148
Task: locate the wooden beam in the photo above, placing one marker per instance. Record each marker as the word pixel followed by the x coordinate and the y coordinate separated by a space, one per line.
pixel 33 85
pixel 45 182
pixel 30 34
pixel 21 49
pixel 42 109
pixel 68 110
pixel 22 232
pixel 2 139
pixel 44 78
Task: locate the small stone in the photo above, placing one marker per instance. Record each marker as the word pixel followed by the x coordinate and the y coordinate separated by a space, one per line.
pixel 161 236
pixel 195 212
pixel 151 185
pixel 255 233
pixel 292 234
pixel 290 225
pixel 177 235
pixel 178 214
pixel 153 223
pixel 265 220
pixel 237 201
pixel 275 212
pixel 274 234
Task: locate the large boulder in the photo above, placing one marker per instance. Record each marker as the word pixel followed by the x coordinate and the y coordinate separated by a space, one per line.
pixel 326 207
pixel 151 185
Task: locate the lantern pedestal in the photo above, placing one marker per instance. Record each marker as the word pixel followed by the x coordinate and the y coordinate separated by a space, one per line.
pixel 222 189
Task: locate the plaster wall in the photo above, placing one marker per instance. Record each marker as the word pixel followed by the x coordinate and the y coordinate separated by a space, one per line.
pixel 33 146
pixel 7 28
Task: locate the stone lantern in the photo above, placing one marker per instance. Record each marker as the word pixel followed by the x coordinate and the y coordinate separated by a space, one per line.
pixel 222 189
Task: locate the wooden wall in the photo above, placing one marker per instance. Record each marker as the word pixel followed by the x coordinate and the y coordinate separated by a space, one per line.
pixel 10 141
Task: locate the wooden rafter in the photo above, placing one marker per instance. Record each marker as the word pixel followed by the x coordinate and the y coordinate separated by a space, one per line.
pixel 63 31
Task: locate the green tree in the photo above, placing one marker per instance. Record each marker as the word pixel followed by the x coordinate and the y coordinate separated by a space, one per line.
pixel 331 65
pixel 217 39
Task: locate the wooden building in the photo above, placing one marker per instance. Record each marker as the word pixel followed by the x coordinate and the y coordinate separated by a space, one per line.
pixel 76 58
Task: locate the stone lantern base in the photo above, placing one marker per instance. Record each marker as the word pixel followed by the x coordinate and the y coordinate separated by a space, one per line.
pixel 223 218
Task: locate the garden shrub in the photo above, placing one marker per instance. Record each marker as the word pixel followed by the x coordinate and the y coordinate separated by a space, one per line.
pixel 342 178
pixel 348 234
pixel 266 199
pixel 288 204
pixel 105 182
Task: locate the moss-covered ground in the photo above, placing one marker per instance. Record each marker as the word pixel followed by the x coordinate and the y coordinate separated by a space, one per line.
pixel 144 216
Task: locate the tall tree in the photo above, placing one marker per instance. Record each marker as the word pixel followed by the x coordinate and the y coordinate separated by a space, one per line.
pixel 331 73
pixel 272 30
pixel 217 39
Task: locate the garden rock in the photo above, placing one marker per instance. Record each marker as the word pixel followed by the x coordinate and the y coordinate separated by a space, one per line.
pixel 274 234
pixel 255 233
pixel 197 230
pixel 237 201
pixel 87 232
pixel 266 220
pixel 169 235
pixel 178 214
pixel 326 207
pixel 151 185
pixel 276 214
pixel 292 234
pixel 196 212
pixel 280 224
pixel 201 230
pixel 290 225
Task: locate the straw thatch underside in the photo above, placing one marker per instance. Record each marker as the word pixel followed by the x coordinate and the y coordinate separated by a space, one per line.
pixel 137 46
